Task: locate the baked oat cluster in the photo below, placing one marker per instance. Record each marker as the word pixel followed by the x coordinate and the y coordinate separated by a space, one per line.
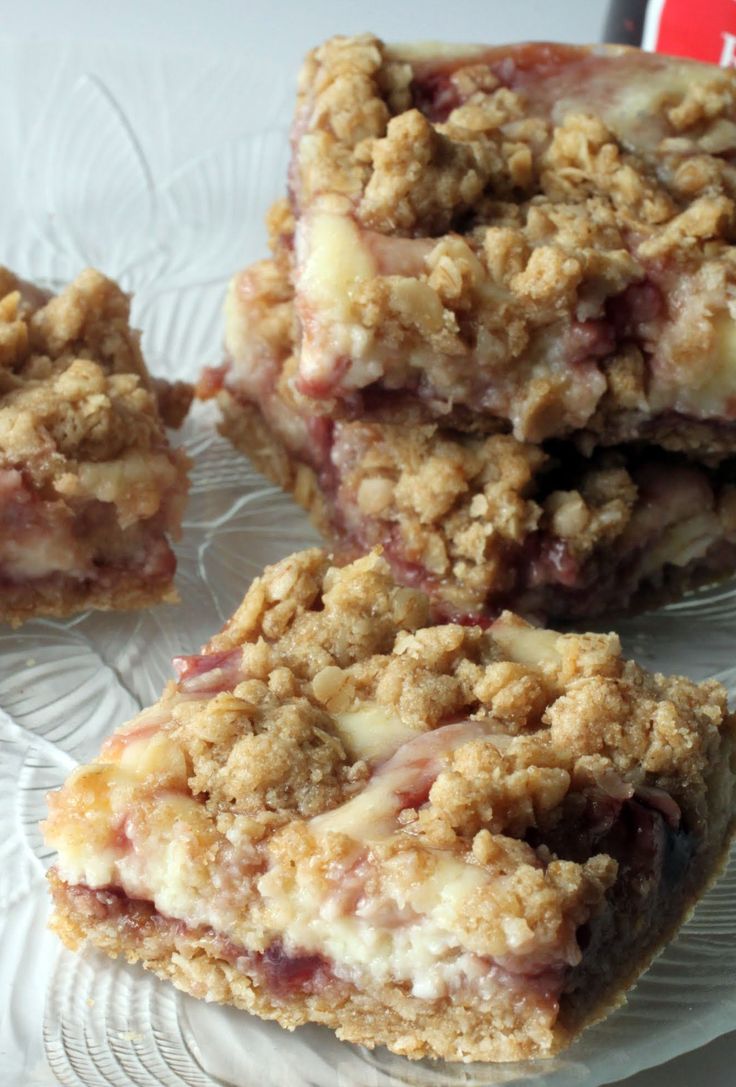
pixel 496 333
pixel 457 842
pixel 89 486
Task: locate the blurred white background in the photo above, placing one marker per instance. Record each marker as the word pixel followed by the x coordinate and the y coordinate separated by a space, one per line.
pixel 286 29
pixel 291 26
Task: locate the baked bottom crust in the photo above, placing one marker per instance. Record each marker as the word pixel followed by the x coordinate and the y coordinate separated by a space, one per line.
pixel 458 1030
pixel 536 233
pixel 456 842
pixel 90 489
pixel 194 962
pixel 114 590
pixel 244 425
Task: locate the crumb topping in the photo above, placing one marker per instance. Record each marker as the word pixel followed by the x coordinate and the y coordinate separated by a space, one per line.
pixel 77 410
pixel 74 385
pixel 464 509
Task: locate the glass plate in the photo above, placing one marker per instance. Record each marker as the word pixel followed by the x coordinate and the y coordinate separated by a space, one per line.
pixel 158 168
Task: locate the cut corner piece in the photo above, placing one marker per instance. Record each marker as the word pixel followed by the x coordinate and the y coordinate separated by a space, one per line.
pixel 91 492
pixel 460 843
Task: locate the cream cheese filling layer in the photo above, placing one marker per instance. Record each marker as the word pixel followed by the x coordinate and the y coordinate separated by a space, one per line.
pixel 379 915
pixel 408 929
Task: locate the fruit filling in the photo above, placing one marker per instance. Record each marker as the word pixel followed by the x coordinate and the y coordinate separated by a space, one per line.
pixel 49 539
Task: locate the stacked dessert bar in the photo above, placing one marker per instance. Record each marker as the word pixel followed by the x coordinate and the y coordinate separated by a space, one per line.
pixel 495 336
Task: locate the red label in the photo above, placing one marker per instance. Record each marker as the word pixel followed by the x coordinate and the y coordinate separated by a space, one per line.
pixel 705 30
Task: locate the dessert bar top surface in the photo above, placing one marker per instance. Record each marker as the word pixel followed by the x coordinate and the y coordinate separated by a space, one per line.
pixel 326 714
pixel 80 417
pixel 540 233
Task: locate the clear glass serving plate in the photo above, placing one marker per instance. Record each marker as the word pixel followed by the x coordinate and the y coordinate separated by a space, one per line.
pixel 158 168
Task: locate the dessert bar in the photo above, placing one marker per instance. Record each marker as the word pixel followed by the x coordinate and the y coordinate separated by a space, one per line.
pixel 457 842
pixel 90 489
pixel 540 234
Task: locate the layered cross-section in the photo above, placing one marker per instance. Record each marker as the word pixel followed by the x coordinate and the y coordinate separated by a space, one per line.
pixel 456 842
pixel 90 490
pixel 479 521
pixel 540 234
